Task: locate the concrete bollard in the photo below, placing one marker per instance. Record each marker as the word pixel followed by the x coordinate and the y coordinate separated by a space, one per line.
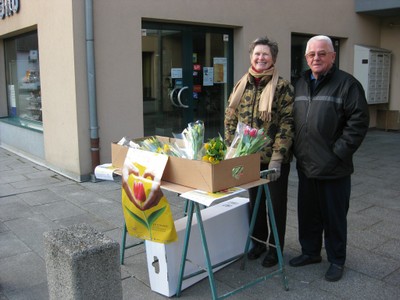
pixel 82 264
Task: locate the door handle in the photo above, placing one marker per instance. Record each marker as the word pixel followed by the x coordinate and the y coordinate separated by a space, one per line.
pixel 179 97
pixel 171 97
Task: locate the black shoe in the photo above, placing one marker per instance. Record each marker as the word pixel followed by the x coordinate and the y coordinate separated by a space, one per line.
pixel 270 260
pixel 256 252
pixel 334 273
pixel 304 260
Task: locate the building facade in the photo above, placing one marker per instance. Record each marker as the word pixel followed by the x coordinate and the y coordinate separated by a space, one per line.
pixel 77 75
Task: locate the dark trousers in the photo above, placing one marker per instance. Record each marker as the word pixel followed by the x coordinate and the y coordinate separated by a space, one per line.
pixel 278 193
pixel 322 211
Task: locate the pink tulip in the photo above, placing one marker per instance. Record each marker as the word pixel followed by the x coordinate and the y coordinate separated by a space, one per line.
pixel 253 132
pixel 138 191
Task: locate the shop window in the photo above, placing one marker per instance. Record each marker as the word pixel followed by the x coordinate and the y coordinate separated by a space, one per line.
pixel 23 80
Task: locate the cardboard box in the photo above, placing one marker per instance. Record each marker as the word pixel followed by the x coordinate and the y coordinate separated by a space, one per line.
pixel 118 154
pixel 200 174
pixel 226 238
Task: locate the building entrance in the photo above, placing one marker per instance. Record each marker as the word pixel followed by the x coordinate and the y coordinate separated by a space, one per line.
pixel 187 76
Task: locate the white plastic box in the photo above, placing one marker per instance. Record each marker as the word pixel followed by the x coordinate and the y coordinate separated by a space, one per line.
pixel 226 227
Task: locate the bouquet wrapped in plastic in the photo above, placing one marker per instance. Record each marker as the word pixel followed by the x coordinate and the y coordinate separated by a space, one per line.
pixel 193 138
pixel 247 140
pixel 153 144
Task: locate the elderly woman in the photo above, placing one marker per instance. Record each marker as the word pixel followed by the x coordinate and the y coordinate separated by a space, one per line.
pixel 263 99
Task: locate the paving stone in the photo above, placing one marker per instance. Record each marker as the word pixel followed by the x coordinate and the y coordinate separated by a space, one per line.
pixel 40 197
pixel 35 182
pixel 386 228
pixel 389 249
pixel 36 292
pixel 355 285
pixel 13 208
pixel 59 210
pixel 393 279
pixel 366 262
pixel 11 245
pixel 87 218
pixel 22 271
pixel 364 239
pixel 30 230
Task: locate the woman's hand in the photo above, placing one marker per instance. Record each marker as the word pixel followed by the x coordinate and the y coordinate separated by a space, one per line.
pixel 155 194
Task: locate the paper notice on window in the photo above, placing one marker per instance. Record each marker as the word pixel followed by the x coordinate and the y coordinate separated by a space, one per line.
pixel 176 73
pixel 208 76
pixel 220 69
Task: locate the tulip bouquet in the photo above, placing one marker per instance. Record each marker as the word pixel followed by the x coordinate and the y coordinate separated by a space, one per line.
pixel 193 137
pixel 215 150
pixel 247 140
pixel 153 144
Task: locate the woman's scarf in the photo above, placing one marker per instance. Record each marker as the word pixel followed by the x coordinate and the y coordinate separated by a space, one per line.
pixel 267 95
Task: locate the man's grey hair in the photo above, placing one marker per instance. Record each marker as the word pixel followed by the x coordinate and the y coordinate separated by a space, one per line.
pixel 320 38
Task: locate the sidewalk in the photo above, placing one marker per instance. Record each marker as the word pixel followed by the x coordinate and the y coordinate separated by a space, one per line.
pixel 34 200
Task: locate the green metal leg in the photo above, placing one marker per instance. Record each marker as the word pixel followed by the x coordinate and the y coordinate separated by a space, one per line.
pixel 185 246
pixel 251 229
pixel 124 246
pixel 185 210
pixel 193 206
pixel 206 252
pixel 123 242
pixel 276 237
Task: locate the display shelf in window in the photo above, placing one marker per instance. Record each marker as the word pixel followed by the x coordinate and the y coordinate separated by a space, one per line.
pixel 30 92
pixel 34 108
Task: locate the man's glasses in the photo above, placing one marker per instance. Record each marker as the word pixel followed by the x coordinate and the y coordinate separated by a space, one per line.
pixel 321 54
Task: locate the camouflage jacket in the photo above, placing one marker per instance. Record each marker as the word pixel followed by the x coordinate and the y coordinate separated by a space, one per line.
pixel 281 127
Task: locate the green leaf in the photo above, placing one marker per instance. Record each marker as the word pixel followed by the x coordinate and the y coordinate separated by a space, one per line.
pixel 137 218
pixel 154 216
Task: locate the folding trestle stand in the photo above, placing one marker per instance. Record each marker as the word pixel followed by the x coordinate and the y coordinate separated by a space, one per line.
pixel 124 246
pixel 194 207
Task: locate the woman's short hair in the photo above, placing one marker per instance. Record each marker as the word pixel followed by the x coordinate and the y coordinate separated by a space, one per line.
pixel 273 46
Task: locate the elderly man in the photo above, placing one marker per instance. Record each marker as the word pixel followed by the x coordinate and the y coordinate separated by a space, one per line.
pixel 331 120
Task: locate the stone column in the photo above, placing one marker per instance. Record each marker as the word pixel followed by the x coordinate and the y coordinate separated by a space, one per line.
pixel 82 264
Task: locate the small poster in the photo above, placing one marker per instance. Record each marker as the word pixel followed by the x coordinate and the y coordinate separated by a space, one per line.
pixel 197 67
pixel 146 210
pixel 197 88
pixel 220 69
pixel 208 76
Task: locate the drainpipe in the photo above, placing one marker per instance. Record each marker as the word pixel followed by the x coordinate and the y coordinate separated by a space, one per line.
pixel 91 78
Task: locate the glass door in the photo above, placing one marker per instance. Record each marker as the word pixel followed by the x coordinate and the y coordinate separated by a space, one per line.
pixel 187 76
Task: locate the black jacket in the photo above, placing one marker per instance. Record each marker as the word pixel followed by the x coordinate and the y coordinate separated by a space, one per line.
pixel 330 124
